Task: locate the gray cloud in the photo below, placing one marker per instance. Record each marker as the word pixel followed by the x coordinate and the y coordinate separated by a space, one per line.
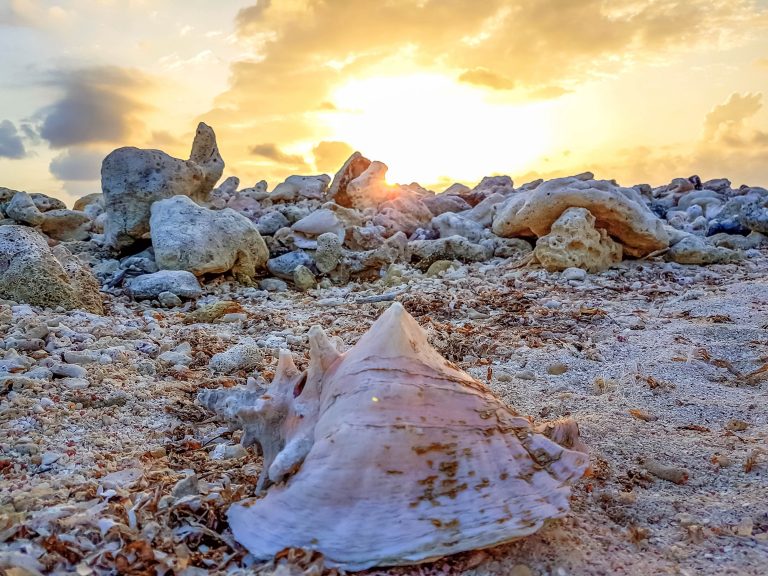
pixel 98 105
pixel 9 16
pixel 11 145
pixel 77 164
pixel 272 152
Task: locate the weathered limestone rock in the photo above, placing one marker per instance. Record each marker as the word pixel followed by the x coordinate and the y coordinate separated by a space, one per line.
pixel 303 278
pixel 426 252
pixel 186 236
pixel 66 225
pixel 22 209
pixel 620 211
pixel 6 194
pixel 404 213
pixel 352 168
pixel 178 282
pixel 132 179
pixel 271 222
pixel 284 265
pixel 370 188
pixel 329 252
pixel 573 242
pixel 442 203
pixel 754 215
pixel 243 356
pixel 297 187
pixel 319 222
pixel 45 203
pixel 695 250
pixel 32 273
pixel 88 200
pixel 450 224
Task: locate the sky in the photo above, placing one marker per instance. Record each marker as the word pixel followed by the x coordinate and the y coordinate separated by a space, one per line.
pixel 440 90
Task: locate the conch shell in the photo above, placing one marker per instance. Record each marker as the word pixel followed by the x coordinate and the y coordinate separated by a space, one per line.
pixel 389 454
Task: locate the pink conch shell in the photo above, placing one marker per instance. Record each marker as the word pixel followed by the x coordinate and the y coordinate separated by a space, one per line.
pixel 388 454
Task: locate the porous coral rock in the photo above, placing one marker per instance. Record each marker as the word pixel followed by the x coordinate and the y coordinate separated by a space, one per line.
pixel 66 225
pixel 45 203
pixel 329 252
pixel 354 166
pixel 319 222
pixel 31 272
pixel 296 187
pixel 133 179
pixel 405 213
pixel 425 252
pixel 186 236
pixel 243 356
pixel 370 188
pixel 22 209
pixel 450 224
pixel 620 211
pixel 695 250
pixel 573 241
pixel 178 282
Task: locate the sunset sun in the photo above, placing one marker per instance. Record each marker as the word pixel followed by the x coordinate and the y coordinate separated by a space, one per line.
pixel 433 129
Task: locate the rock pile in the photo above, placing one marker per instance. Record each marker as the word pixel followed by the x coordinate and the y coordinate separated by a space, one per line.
pixel 159 214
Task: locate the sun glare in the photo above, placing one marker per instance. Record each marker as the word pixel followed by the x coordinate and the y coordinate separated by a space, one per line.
pixel 428 126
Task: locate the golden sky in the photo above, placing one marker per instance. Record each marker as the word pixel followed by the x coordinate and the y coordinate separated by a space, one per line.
pixel 439 90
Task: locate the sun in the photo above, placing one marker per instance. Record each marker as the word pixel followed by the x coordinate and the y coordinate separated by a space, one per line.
pixel 427 127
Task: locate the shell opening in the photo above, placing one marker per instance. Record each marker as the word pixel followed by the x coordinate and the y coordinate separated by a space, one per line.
pixel 299 387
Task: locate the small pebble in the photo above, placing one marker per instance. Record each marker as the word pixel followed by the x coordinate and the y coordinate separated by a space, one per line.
pixel 557 369
pixel 574 274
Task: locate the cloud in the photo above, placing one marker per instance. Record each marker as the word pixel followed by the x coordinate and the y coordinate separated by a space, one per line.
pixel 11 145
pixel 272 152
pixel 737 109
pixel 548 93
pixel 77 164
pixel 98 106
pixel 330 155
pixel 484 77
pixel 762 63
pixel 10 15
pixel 301 52
pixel 731 146
pixel 162 138
pixel 248 18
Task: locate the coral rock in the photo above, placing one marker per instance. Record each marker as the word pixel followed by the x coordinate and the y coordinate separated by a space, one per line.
pixel 178 282
pixel 573 241
pixel 243 356
pixel 620 211
pixel 66 225
pixel 132 179
pixel 352 168
pixel 425 252
pixel 22 209
pixel 297 187
pixel 32 273
pixel 186 236
pixel 370 188
pixel 695 250
pixel 388 454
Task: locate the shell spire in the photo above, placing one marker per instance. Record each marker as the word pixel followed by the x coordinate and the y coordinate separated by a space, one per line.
pixel 389 454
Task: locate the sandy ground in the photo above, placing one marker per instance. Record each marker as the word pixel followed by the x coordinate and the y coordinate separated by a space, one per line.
pixel 660 365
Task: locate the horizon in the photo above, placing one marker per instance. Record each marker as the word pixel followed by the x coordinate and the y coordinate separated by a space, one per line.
pixel 641 91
